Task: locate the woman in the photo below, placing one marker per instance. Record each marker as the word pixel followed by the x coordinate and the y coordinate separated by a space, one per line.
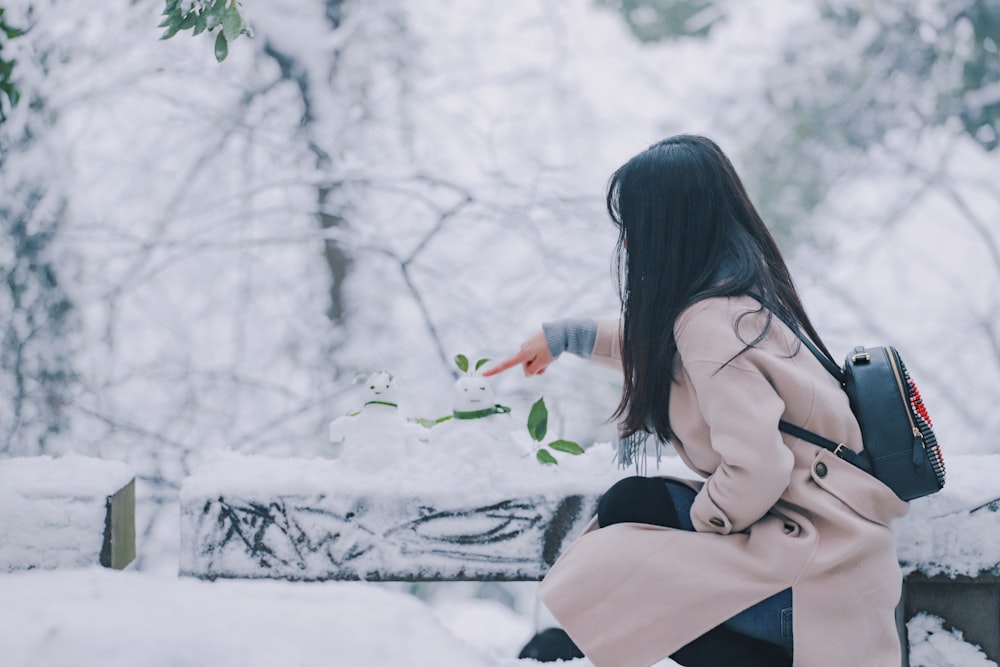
pixel 701 571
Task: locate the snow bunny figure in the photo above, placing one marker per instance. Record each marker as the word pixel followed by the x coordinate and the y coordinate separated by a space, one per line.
pixel 378 435
pixel 476 418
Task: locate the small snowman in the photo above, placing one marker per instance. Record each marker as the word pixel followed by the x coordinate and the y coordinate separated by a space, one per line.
pixel 378 435
pixel 476 418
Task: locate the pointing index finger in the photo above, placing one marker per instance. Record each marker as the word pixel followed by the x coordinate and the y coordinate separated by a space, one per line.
pixel 510 362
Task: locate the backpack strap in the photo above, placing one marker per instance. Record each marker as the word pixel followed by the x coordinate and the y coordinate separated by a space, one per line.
pixel 841 450
pixel 829 364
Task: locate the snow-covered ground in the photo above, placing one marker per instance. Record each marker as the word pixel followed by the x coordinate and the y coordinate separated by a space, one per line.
pixel 99 617
pixel 95 617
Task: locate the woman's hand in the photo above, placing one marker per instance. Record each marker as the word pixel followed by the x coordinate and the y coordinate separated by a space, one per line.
pixel 534 356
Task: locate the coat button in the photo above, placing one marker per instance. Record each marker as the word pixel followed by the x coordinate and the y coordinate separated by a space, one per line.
pixel 821 469
pixel 717 522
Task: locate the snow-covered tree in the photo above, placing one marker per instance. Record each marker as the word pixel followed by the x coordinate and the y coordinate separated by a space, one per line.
pixel 874 148
pixel 37 373
pixel 866 138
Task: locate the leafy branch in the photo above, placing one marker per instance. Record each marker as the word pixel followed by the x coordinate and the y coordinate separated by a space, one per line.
pixel 538 424
pixel 225 18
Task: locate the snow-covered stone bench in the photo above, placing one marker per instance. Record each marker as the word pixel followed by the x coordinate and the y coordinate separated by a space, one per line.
pixel 73 511
pixel 949 548
pixel 255 517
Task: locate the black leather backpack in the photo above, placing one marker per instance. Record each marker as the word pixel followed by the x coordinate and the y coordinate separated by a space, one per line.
pixel 900 448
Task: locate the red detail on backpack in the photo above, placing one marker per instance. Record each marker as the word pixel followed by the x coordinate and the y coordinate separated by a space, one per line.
pixel 918 403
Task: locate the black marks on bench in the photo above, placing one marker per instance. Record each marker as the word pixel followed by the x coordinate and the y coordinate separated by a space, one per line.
pixel 473 535
pixel 283 536
pixel 498 522
pixel 565 518
pixel 378 537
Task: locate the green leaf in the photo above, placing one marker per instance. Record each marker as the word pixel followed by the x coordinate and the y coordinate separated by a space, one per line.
pixel 545 457
pixel 462 362
pixel 189 21
pixel 199 26
pixel 232 23
pixel 173 24
pixel 213 15
pixel 171 31
pixel 538 420
pixel 479 364
pixel 13 94
pixel 567 446
pixel 221 47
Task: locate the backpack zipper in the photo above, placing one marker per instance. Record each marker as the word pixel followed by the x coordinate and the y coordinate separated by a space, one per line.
pixel 918 438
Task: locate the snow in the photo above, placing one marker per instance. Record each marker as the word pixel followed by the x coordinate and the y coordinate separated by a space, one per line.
pixel 433 472
pixel 101 618
pixel 941 535
pixel 191 253
pixel 931 645
pixel 96 617
pixel 52 511
pixel 493 627
pixel 71 476
pixel 93 616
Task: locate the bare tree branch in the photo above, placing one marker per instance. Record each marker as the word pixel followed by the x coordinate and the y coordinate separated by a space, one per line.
pixel 862 313
pixel 978 225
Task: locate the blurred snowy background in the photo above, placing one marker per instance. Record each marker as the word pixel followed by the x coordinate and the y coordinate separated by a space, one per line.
pixel 200 256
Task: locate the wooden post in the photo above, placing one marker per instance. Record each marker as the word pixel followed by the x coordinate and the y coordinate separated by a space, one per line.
pixel 118 549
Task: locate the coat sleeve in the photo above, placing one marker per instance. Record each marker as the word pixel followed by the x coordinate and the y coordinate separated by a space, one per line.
pixel 741 409
pixel 608 344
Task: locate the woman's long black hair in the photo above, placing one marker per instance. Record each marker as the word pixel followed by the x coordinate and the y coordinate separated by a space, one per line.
pixel 687 232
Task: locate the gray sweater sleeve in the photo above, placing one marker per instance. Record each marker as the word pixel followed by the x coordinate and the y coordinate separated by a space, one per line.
pixel 576 335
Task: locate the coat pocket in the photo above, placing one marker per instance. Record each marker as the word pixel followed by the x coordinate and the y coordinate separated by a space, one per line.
pixel 868 497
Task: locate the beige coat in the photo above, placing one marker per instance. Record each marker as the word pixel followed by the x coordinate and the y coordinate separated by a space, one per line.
pixel 774 512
